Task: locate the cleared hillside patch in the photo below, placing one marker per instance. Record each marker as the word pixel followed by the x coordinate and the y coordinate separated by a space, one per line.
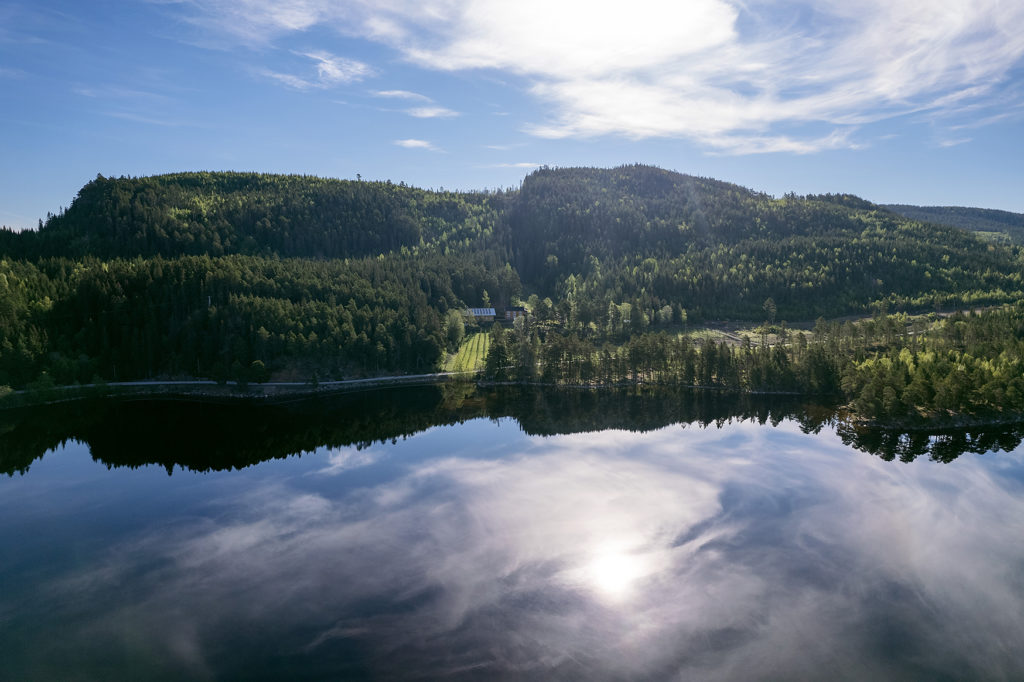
pixel 471 354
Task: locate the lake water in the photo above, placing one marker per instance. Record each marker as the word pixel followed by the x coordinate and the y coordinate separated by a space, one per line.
pixel 726 550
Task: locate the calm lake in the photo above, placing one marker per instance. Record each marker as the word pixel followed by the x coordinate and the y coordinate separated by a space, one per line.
pixel 449 533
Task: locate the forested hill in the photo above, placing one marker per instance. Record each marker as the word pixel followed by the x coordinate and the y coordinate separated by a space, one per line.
pixel 256 214
pixel 1000 225
pixel 650 237
pixel 211 274
pixel 584 237
pixel 569 213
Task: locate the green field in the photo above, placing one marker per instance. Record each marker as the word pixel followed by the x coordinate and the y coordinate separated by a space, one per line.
pixel 471 355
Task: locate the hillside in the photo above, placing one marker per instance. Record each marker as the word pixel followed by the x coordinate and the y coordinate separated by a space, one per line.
pixel 241 275
pixel 1003 226
pixel 652 238
pixel 220 214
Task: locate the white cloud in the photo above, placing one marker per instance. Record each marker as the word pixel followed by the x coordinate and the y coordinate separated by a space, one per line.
pixel 333 70
pixel 416 144
pixel 728 74
pixel 431 112
pixel 428 111
pixel 400 94
pixel 578 38
pixel 330 71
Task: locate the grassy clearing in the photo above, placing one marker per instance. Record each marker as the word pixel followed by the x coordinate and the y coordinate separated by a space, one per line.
pixel 700 334
pixel 471 355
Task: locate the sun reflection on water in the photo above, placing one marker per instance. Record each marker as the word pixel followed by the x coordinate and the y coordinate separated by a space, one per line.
pixel 615 575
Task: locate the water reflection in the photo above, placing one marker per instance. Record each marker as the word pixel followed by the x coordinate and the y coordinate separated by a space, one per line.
pixel 614 572
pixel 216 437
pixel 480 552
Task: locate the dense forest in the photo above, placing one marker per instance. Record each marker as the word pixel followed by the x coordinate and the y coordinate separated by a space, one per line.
pixel 250 277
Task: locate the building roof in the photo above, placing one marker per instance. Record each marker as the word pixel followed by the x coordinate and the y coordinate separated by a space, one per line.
pixel 481 312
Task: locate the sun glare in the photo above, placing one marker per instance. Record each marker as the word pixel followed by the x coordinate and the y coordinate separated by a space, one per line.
pixel 614 574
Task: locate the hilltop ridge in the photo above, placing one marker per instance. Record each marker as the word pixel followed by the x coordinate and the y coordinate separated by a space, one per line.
pixel 562 229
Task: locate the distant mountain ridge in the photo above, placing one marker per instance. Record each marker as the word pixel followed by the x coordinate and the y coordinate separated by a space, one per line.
pixel 991 222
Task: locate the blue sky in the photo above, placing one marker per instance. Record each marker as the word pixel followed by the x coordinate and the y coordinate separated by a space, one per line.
pixel 909 101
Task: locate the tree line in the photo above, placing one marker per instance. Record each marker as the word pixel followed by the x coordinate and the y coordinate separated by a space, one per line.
pixel 886 368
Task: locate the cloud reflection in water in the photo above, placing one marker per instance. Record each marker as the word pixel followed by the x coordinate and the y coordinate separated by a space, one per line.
pixel 743 553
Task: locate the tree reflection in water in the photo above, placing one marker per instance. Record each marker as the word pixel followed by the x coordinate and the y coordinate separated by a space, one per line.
pixel 215 436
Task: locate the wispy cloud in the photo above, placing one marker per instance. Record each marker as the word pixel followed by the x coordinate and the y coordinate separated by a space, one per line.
pixel 401 94
pixel 330 71
pixel 250 22
pixel 148 120
pixel 728 74
pixel 731 144
pixel 287 79
pixel 109 92
pixel 520 164
pixel 431 112
pixel 988 120
pixel 412 143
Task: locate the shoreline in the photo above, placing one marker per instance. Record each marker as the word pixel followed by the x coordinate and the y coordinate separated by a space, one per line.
pixel 200 391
